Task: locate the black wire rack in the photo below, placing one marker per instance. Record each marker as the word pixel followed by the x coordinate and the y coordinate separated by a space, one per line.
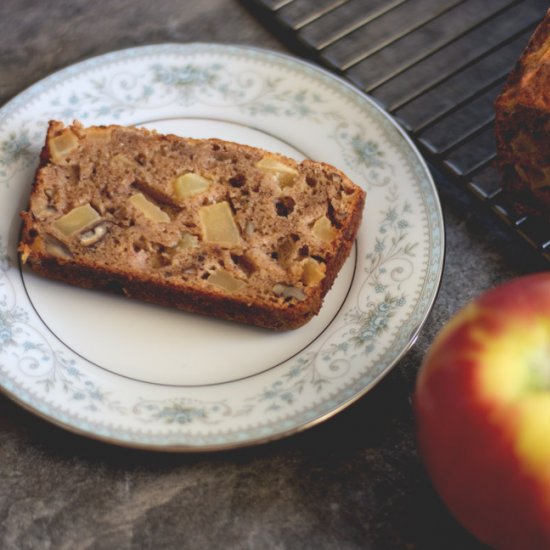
pixel 436 65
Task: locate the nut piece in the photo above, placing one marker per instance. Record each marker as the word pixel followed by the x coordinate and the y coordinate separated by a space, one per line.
pixel 189 185
pixel 218 225
pixel 57 248
pixel 224 280
pixel 93 236
pixel 60 146
pixel 77 220
pixel 148 209
pixel 324 230
pixel 284 173
pixel 187 241
pixel 312 272
pixel 42 209
pixel 289 292
pixel 285 251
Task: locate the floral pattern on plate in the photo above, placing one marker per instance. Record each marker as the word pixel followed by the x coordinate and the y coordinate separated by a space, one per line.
pixel 375 313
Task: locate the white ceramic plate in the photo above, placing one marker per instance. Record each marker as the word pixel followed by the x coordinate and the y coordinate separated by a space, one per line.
pixel 146 376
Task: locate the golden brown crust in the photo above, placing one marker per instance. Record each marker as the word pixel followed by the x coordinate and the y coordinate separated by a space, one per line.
pixel 522 127
pixel 67 261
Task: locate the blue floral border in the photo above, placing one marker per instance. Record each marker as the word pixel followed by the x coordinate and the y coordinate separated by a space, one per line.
pixel 408 331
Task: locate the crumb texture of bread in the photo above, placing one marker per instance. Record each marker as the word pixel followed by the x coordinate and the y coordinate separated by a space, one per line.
pixel 522 128
pixel 206 226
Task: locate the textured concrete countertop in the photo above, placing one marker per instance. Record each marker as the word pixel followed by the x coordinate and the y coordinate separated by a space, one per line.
pixel 353 482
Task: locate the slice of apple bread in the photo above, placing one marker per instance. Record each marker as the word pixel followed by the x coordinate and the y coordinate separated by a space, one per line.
pixel 522 128
pixel 207 226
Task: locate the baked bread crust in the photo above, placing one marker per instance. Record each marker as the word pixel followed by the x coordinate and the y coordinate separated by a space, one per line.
pixel 522 127
pixel 281 262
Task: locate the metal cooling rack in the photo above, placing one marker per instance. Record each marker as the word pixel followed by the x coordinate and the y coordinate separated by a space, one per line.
pixel 435 65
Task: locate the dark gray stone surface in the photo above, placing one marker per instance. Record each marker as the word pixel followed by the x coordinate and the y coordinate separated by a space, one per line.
pixel 353 482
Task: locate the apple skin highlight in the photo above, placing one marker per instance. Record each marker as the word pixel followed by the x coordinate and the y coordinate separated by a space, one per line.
pixel 482 406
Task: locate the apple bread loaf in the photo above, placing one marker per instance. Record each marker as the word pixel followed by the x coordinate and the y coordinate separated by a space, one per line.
pixel 207 226
pixel 522 126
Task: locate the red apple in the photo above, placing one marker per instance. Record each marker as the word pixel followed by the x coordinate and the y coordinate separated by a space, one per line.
pixel 482 404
